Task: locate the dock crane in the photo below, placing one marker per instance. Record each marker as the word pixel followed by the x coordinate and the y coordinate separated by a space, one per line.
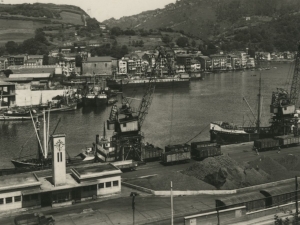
pixel 284 105
pixel 128 137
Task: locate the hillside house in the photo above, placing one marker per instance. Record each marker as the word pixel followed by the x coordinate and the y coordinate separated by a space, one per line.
pixel 103 65
pixel 37 60
pixel 3 63
pixel 218 61
pixel 16 60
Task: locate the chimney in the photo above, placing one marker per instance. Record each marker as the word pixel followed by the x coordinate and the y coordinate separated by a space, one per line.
pixel 58 159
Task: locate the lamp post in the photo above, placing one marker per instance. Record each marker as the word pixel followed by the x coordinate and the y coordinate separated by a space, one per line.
pixel 133 194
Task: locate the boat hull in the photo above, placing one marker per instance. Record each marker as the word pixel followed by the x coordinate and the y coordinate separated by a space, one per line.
pixel 88 101
pixel 163 83
pixel 100 102
pixel 19 118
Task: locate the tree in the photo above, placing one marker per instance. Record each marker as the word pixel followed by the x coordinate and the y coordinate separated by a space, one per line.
pixel 166 39
pixel 45 59
pixel 193 43
pixel 116 31
pixel 12 47
pixel 7 72
pixel 182 41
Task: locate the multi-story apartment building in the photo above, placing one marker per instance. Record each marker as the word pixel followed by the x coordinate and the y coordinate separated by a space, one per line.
pixel 206 63
pixel 16 60
pixel 218 61
pixel 122 66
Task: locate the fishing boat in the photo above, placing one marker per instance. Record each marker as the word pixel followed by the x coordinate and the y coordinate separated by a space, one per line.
pixel 112 101
pixel 44 157
pixel 59 104
pixel 101 98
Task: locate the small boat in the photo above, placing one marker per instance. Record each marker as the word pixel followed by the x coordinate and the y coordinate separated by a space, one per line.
pixel 112 101
pixel 19 115
pixel 101 99
pixel 59 104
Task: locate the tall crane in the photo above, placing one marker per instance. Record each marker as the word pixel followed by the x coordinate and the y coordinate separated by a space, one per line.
pixel 283 105
pixel 128 137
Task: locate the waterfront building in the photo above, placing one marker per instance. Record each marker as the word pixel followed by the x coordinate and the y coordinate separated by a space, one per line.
pixel 31 81
pixel 184 59
pixel 218 61
pixel 250 63
pixel 195 65
pixel 56 187
pixel 206 63
pixel 99 65
pixel 8 95
pixel 122 66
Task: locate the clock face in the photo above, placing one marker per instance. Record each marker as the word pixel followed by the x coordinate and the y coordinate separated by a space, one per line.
pixel 59 145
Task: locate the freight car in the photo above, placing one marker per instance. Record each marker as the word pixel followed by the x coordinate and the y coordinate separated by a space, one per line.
pixel 151 153
pixel 176 153
pixel 276 142
pixel 205 149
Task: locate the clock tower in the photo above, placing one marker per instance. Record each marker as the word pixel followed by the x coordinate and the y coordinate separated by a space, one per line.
pixel 58 159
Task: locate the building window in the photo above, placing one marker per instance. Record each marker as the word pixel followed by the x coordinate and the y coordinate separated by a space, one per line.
pixel 101 185
pixel 124 124
pixel 93 187
pixel 108 184
pixel 115 183
pixel 1 201
pixel 60 156
pixel 105 64
pixel 34 197
pixel 95 65
pixel 8 200
pixel 17 198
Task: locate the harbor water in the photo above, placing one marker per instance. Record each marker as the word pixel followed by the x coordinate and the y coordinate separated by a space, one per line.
pixel 175 116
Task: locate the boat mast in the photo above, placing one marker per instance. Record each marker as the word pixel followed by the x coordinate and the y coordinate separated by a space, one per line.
pixel 259 105
pixel 38 134
pixel 45 135
pixel 47 142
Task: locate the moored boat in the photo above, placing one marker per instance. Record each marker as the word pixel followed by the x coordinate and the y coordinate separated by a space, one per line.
pixel 101 99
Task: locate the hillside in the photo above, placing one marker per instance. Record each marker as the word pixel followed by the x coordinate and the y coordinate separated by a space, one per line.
pixel 220 20
pixel 24 19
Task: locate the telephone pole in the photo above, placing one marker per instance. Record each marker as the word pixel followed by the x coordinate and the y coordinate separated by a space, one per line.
pixel 296 199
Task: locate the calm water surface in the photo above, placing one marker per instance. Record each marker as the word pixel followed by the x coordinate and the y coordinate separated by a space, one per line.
pixel 176 115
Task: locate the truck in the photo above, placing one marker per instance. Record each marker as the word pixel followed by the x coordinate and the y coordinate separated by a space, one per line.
pixel 34 219
pixel 205 149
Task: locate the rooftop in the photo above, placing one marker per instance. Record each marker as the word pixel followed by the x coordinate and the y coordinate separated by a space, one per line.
pixel 100 59
pixel 35 56
pixel 15 181
pixel 30 75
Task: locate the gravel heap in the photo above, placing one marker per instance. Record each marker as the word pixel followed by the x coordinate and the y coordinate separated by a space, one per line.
pixel 180 182
pixel 225 173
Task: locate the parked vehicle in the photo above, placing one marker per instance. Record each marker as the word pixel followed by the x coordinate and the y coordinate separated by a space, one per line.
pixel 34 219
pixel 205 149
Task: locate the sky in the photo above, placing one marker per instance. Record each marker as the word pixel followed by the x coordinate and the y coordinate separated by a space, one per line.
pixel 105 9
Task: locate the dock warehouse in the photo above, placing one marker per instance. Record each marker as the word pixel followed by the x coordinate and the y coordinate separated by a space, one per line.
pixel 56 187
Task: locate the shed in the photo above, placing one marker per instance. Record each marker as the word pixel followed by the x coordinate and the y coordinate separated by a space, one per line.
pixel 252 200
pixel 279 195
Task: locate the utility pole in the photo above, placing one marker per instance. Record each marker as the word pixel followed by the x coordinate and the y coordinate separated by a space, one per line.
pixel 171 204
pixel 296 199
pixel 133 194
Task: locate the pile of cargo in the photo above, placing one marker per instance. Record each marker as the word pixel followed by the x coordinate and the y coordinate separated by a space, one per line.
pixel 225 173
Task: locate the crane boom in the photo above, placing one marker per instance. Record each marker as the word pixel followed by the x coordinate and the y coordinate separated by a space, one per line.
pixel 295 87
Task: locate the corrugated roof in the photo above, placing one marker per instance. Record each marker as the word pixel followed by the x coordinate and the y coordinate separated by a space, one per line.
pixel 241 198
pixel 278 190
pixel 100 59
pixel 30 75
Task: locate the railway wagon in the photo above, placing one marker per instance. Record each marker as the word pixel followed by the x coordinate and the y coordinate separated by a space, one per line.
pixel 175 157
pixel 151 153
pixel 266 144
pixel 286 140
pixel 178 147
pixel 205 149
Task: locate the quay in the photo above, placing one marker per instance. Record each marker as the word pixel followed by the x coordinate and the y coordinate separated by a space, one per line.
pixel 150 209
